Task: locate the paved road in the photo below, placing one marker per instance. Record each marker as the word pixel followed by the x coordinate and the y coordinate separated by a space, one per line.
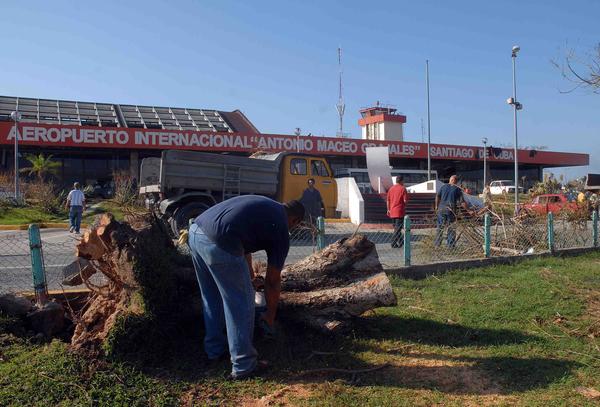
pixel 15 262
pixel 59 249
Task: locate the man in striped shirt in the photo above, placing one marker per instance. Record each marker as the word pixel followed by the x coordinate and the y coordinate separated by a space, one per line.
pixel 76 205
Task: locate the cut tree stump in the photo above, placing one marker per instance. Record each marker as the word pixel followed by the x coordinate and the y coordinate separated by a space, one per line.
pixel 143 281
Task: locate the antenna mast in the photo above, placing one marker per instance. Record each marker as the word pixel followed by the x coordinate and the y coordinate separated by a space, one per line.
pixel 341 106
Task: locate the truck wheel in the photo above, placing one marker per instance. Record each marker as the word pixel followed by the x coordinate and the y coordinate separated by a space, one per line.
pixel 182 216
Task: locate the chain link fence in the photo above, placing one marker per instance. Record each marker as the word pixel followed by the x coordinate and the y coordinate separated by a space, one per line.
pixel 15 262
pixel 429 241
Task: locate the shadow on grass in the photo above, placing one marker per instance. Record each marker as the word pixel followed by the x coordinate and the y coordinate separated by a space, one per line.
pixel 430 332
pixel 173 351
pixel 470 375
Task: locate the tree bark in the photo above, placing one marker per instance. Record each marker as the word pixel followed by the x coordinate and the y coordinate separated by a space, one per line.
pixel 143 281
pixel 330 287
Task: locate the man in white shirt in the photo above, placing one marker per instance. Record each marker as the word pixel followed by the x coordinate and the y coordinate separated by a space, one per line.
pixel 76 205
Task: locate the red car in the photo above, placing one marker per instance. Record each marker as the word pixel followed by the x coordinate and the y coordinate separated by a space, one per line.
pixel 550 203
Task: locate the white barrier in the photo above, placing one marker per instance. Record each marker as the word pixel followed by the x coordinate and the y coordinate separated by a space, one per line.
pixel 350 201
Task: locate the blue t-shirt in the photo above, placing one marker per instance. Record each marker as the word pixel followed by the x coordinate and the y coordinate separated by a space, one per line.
pixel 246 224
pixel 449 197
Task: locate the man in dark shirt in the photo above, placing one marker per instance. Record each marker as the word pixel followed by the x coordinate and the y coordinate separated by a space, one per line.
pixel 222 240
pixel 447 202
pixel 312 201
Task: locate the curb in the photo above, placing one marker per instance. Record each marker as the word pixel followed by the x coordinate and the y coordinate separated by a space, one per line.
pixel 422 271
pixel 44 225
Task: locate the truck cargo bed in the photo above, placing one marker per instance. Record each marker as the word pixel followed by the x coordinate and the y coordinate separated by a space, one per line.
pixel 191 170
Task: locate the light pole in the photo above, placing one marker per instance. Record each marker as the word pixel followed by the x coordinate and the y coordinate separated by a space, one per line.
pixel 16 116
pixel 428 123
pixel 484 141
pixel 516 106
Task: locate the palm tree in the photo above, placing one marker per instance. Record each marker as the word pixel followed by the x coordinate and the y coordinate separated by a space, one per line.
pixel 41 165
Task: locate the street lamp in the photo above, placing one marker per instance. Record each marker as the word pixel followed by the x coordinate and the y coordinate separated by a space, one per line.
pixel 484 141
pixel 428 123
pixel 516 106
pixel 16 116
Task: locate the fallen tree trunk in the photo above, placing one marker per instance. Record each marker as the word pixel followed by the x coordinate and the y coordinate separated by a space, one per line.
pixel 330 287
pixel 149 282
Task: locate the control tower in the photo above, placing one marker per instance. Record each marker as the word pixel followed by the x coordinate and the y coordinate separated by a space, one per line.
pixel 381 123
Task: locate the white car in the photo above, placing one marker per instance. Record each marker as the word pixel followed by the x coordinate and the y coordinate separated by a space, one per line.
pixel 503 187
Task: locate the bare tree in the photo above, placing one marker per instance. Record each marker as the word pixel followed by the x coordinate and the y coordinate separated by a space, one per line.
pixel 582 70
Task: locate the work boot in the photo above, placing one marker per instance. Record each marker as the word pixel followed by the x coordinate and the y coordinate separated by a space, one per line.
pixel 259 370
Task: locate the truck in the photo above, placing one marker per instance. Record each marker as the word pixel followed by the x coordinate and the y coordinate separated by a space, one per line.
pixel 181 184
pixel 500 187
pixel 555 203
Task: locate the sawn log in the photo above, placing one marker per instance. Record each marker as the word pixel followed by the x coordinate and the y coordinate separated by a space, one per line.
pixel 145 277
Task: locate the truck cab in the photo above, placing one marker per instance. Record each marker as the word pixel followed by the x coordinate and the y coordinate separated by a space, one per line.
pixel 297 169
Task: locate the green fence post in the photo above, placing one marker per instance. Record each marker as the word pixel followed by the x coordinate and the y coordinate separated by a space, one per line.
pixel 407 240
pixel 320 233
pixel 37 265
pixel 595 227
pixel 487 223
pixel 550 229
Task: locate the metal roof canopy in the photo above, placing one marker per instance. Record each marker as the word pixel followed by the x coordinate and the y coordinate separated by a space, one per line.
pixel 52 111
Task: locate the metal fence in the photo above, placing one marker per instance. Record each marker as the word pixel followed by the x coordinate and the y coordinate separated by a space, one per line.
pixel 425 242
pixel 31 258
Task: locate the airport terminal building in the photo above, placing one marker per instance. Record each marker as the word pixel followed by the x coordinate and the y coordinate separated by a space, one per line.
pixel 91 140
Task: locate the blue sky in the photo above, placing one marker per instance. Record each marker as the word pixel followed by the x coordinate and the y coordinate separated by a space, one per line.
pixel 277 62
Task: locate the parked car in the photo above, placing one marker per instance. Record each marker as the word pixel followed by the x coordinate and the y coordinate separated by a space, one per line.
pixel 503 187
pixel 554 203
pixel 104 190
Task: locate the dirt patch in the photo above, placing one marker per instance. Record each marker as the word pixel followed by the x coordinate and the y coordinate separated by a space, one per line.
pixel 443 374
pixel 285 396
pixel 547 274
pixel 588 393
pixel 593 307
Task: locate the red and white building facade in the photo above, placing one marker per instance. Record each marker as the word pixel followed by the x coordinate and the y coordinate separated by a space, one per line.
pixel 93 148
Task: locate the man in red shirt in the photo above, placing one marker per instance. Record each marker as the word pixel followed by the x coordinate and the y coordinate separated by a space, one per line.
pixel 397 197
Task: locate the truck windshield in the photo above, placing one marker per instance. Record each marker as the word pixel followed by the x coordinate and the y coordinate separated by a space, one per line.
pixel 319 169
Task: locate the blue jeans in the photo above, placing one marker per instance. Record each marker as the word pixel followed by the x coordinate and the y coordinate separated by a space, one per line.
pixel 445 219
pixel 397 238
pixel 227 301
pixel 75 217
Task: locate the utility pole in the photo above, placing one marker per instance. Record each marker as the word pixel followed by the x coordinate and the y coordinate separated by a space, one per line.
pixel 340 106
pixel 484 141
pixel 516 106
pixel 428 123
pixel 16 116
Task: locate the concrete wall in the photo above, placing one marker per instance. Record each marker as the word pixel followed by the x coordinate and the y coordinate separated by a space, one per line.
pixel 350 202
pixel 343 205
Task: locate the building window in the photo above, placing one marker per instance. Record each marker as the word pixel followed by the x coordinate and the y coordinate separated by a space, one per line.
pixel 298 166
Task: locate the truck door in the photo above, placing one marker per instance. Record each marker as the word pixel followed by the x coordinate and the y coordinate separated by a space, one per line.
pixel 325 183
pixel 295 173
pixel 294 178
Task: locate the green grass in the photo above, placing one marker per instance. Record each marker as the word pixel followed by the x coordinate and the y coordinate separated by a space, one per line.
pixel 525 334
pixel 10 215
pixel 103 207
pixel 22 215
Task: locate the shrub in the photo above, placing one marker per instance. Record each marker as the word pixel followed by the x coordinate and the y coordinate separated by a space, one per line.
pixel 125 188
pixel 45 195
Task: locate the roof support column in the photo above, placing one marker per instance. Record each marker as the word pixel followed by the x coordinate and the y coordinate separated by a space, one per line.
pixel 134 166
